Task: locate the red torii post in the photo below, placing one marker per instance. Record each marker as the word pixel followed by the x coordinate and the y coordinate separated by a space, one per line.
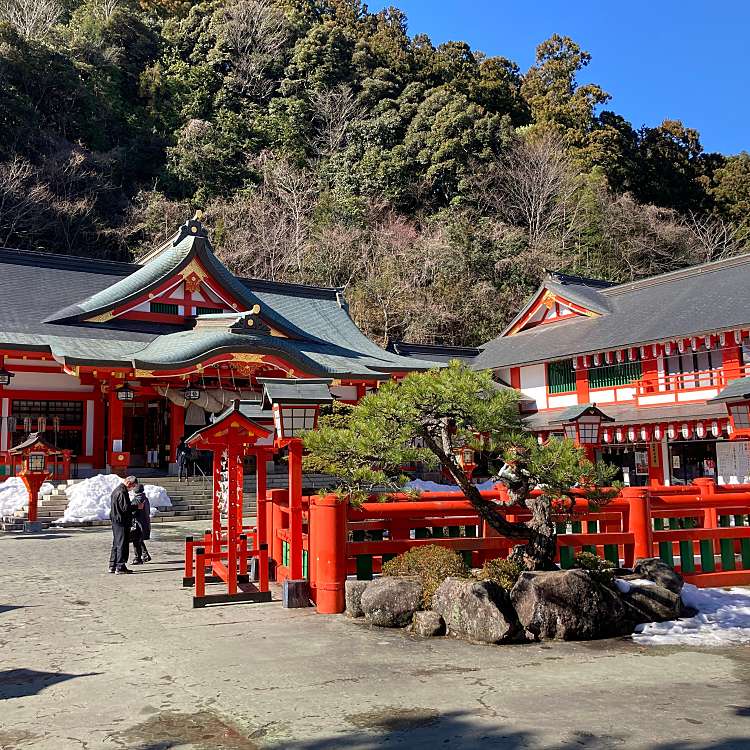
pixel 225 551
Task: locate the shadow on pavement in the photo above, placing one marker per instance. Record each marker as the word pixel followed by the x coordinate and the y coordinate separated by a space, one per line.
pixel 19 683
pixel 23 537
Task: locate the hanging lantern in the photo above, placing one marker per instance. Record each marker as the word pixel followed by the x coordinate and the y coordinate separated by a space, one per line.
pixel 597 360
pixel 738 337
pixel 5 376
pixel 619 437
pixel 671 432
pixel 41 424
pixel 708 342
pixel 668 348
pixel 715 429
pixel 729 429
pixel 658 432
pixel 686 431
pixel 631 434
pixel 654 350
pixel 620 356
pixel 540 439
pixel 700 430
pixel 27 425
pixel 125 392
pixel 586 360
pixel 694 344
pixel 191 392
pixel 56 422
pixel 645 434
pixel 608 357
pixel 607 435
pixel 12 424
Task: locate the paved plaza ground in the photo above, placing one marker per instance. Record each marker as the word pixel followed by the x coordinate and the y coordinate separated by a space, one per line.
pixel 89 660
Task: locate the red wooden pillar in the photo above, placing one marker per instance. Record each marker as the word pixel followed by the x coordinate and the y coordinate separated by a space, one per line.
pixel 582 385
pixel 732 361
pixel 295 509
pixel 232 492
pixel 639 520
pixel 328 548
pixel 118 459
pixel 261 519
pixel 99 457
pixel 176 429
pixel 219 456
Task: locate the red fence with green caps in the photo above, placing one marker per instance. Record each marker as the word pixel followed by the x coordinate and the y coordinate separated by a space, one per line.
pixel 703 530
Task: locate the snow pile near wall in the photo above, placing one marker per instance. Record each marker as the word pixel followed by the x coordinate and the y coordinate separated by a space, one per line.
pixel 723 619
pixel 14 496
pixel 422 486
pixel 90 500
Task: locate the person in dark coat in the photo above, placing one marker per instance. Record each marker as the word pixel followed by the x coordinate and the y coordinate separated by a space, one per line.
pixel 140 531
pixel 182 453
pixel 121 515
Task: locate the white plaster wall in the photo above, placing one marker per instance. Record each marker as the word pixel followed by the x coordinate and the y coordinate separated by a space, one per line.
pixel 602 396
pixel 697 395
pixel 666 398
pixel 347 392
pixel 42 381
pixel 566 399
pixel 534 384
pixel 625 394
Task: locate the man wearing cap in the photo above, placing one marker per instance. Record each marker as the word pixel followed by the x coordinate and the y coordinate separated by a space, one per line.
pixel 121 515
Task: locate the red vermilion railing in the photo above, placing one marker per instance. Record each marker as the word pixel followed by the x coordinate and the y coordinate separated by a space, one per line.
pixel 703 530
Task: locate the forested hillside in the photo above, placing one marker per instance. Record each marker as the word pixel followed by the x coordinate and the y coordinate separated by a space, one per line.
pixel 328 146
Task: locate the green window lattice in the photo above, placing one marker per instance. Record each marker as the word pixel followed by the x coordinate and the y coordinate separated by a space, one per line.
pixel 561 376
pixel 165 308
pixel 208 310
pixel 611 375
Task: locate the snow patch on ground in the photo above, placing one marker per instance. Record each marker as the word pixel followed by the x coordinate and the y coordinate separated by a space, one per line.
pixel 422 486
pixel 90 500
pixel 14 495
pixel 723 619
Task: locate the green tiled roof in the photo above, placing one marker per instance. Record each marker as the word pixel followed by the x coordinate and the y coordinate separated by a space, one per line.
pixel 321 339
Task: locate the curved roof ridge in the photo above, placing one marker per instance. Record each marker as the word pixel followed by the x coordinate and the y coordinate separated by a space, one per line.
pixel 65 262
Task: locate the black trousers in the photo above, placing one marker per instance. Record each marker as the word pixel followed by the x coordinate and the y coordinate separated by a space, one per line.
pixel 139 546
pixel 120 545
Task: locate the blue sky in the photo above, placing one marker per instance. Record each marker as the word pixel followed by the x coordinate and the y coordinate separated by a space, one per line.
pixel 685 59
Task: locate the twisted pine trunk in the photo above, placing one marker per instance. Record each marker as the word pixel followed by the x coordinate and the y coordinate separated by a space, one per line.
pixel 540 547
pixel 538 551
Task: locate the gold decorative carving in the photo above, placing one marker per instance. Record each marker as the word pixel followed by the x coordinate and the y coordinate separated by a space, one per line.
pixel 246 357
pixel 143 373
pixel 101 318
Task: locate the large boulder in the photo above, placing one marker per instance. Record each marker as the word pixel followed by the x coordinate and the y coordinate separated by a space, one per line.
pixel 427 624
pixel 391 601
pixel 476 610
pixel 353 591
pixel 656 570
pixel 647 601
pixel 568 605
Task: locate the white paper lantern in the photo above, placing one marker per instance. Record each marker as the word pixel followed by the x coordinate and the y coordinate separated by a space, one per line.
pixel 619 437
pixel 715 429
pixel 700 430
pixel 631 434
pixel 607 436
pixel 671 432
pixel 645 434
pixel 686 431
pixel 658 432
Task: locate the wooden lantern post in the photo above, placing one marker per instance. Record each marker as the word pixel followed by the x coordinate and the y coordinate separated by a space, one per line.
pixel 35 453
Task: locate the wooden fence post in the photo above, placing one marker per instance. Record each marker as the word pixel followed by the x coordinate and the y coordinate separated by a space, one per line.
pixel 639 520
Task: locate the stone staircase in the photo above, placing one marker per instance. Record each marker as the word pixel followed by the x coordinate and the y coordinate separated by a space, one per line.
pixel 191 501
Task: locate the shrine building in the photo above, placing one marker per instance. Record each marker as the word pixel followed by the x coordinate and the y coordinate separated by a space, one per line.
pixel 652 355
pixel 117 361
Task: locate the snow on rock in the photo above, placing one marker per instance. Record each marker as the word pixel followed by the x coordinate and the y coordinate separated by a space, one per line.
pixel 90 500
pixel 723 619
pixel 423 486
pixel 14 495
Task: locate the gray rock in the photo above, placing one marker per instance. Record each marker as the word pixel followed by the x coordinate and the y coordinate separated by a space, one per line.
pixel 391 601
pixel 568 605
pixel 650 602
pixel 428 624
pixel 658 571
pixel 476 610
pixel 353 591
